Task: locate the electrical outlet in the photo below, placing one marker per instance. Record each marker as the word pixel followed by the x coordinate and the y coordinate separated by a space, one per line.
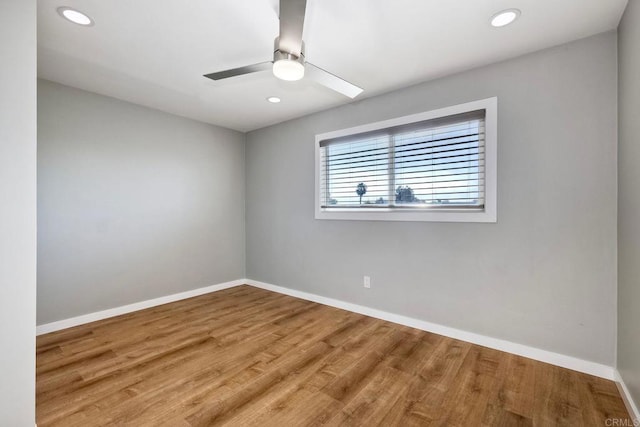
pixel 367 281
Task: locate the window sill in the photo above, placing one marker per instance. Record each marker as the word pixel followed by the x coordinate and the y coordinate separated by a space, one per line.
pixel 431 215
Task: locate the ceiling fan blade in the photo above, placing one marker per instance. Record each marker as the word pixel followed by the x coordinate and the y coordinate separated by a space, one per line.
pixel 331 81
pixel 291 24
pixel 261 66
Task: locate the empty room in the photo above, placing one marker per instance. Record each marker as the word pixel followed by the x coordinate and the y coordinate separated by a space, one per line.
pixel 320 212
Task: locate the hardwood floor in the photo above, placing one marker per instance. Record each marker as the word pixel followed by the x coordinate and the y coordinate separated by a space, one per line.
pixel 246 356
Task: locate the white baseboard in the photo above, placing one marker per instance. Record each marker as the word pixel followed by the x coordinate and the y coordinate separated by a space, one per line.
pixel 626 396
pixel 117 311
pixel 557 359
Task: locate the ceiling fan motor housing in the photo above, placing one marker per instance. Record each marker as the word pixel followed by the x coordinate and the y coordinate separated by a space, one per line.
pixel 280 54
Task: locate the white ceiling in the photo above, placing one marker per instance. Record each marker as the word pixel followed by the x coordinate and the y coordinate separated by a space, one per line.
pixel 154 52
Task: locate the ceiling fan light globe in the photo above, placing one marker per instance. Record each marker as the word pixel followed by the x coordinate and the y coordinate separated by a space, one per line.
pixel 287 69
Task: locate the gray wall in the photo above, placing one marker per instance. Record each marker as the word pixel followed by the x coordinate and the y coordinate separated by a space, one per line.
pixel 133 203
pixel 17 212
pixel 544 275
pixel 629 200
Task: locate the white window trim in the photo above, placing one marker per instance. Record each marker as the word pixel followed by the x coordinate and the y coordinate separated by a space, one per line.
pixel 488 214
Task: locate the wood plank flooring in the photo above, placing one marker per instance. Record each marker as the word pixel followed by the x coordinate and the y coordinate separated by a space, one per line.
pixel 245 356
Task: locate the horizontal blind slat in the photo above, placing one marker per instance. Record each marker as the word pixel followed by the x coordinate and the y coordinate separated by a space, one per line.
pixel 481 164
pixel 479 154
pixel 474 144
pixel 361 178
pixel 346 153
pixel 451 203
pixel 424 206
pixel 437 124
pixel 349 184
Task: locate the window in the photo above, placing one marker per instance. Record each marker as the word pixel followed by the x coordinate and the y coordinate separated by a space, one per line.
pixel 434 166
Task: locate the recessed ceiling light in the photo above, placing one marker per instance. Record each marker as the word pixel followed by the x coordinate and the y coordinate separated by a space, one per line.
pixel 273 99
pixel 75 16
pixel 505 17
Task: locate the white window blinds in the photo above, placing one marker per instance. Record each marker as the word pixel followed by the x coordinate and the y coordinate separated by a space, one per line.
pixel 433 164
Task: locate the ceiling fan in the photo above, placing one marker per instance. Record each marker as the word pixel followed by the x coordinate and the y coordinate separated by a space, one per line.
pixel 288 56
